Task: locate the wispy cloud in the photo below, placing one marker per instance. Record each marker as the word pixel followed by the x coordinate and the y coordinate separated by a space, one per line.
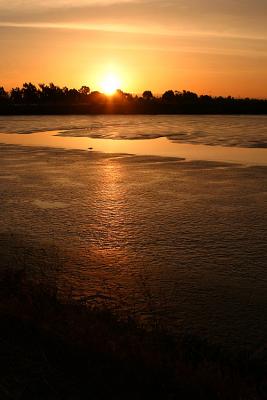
pixel 126 28
pixel 24 5
pixel 216 18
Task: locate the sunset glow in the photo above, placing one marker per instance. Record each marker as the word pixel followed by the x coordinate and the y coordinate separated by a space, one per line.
pixel 110 84
pixel 216 48
pixel 133 166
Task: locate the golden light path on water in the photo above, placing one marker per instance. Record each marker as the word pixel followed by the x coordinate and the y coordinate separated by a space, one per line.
pixel 156 147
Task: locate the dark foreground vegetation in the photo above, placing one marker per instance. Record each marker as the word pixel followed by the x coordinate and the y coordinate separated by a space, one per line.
pixel 55 349
pixel 51 99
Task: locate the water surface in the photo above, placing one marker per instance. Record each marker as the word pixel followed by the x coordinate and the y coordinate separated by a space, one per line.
pixel 240 139
pixel 220 130
pixel 178 241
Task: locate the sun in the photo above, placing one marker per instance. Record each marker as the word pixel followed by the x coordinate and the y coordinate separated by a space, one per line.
pixel 110 84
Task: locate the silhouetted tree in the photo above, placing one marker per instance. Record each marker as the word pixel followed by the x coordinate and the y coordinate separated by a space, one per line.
pixel 189 95
pixel 168 96
pixel 128 96
pixel 96 96
pixel 51 92
pixel 73 95
pixel 44 91
pixel 29 93
pixel 16 95
pixel 3 95
pixel 207 98
pixel 2 91
pixel 84 90
pixel 65 91
pixel 119 95
pixel 147 95
pixel 54 99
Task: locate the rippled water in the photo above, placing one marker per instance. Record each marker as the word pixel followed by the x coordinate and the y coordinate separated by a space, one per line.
pixel 183 243
pixel 177 241
pixel 240 131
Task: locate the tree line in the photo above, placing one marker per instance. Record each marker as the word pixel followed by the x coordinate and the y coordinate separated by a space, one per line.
pixel 52 99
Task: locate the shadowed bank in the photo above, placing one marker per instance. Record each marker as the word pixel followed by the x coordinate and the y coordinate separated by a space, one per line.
pixel 55 349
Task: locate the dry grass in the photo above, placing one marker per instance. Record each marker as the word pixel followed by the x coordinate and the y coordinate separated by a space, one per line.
pixel 52 349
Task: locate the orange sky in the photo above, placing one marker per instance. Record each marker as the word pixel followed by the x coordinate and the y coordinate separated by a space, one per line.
pixel 209 46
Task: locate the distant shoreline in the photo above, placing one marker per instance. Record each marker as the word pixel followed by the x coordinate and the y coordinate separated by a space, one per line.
pixel 30 112
pixel 54 100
